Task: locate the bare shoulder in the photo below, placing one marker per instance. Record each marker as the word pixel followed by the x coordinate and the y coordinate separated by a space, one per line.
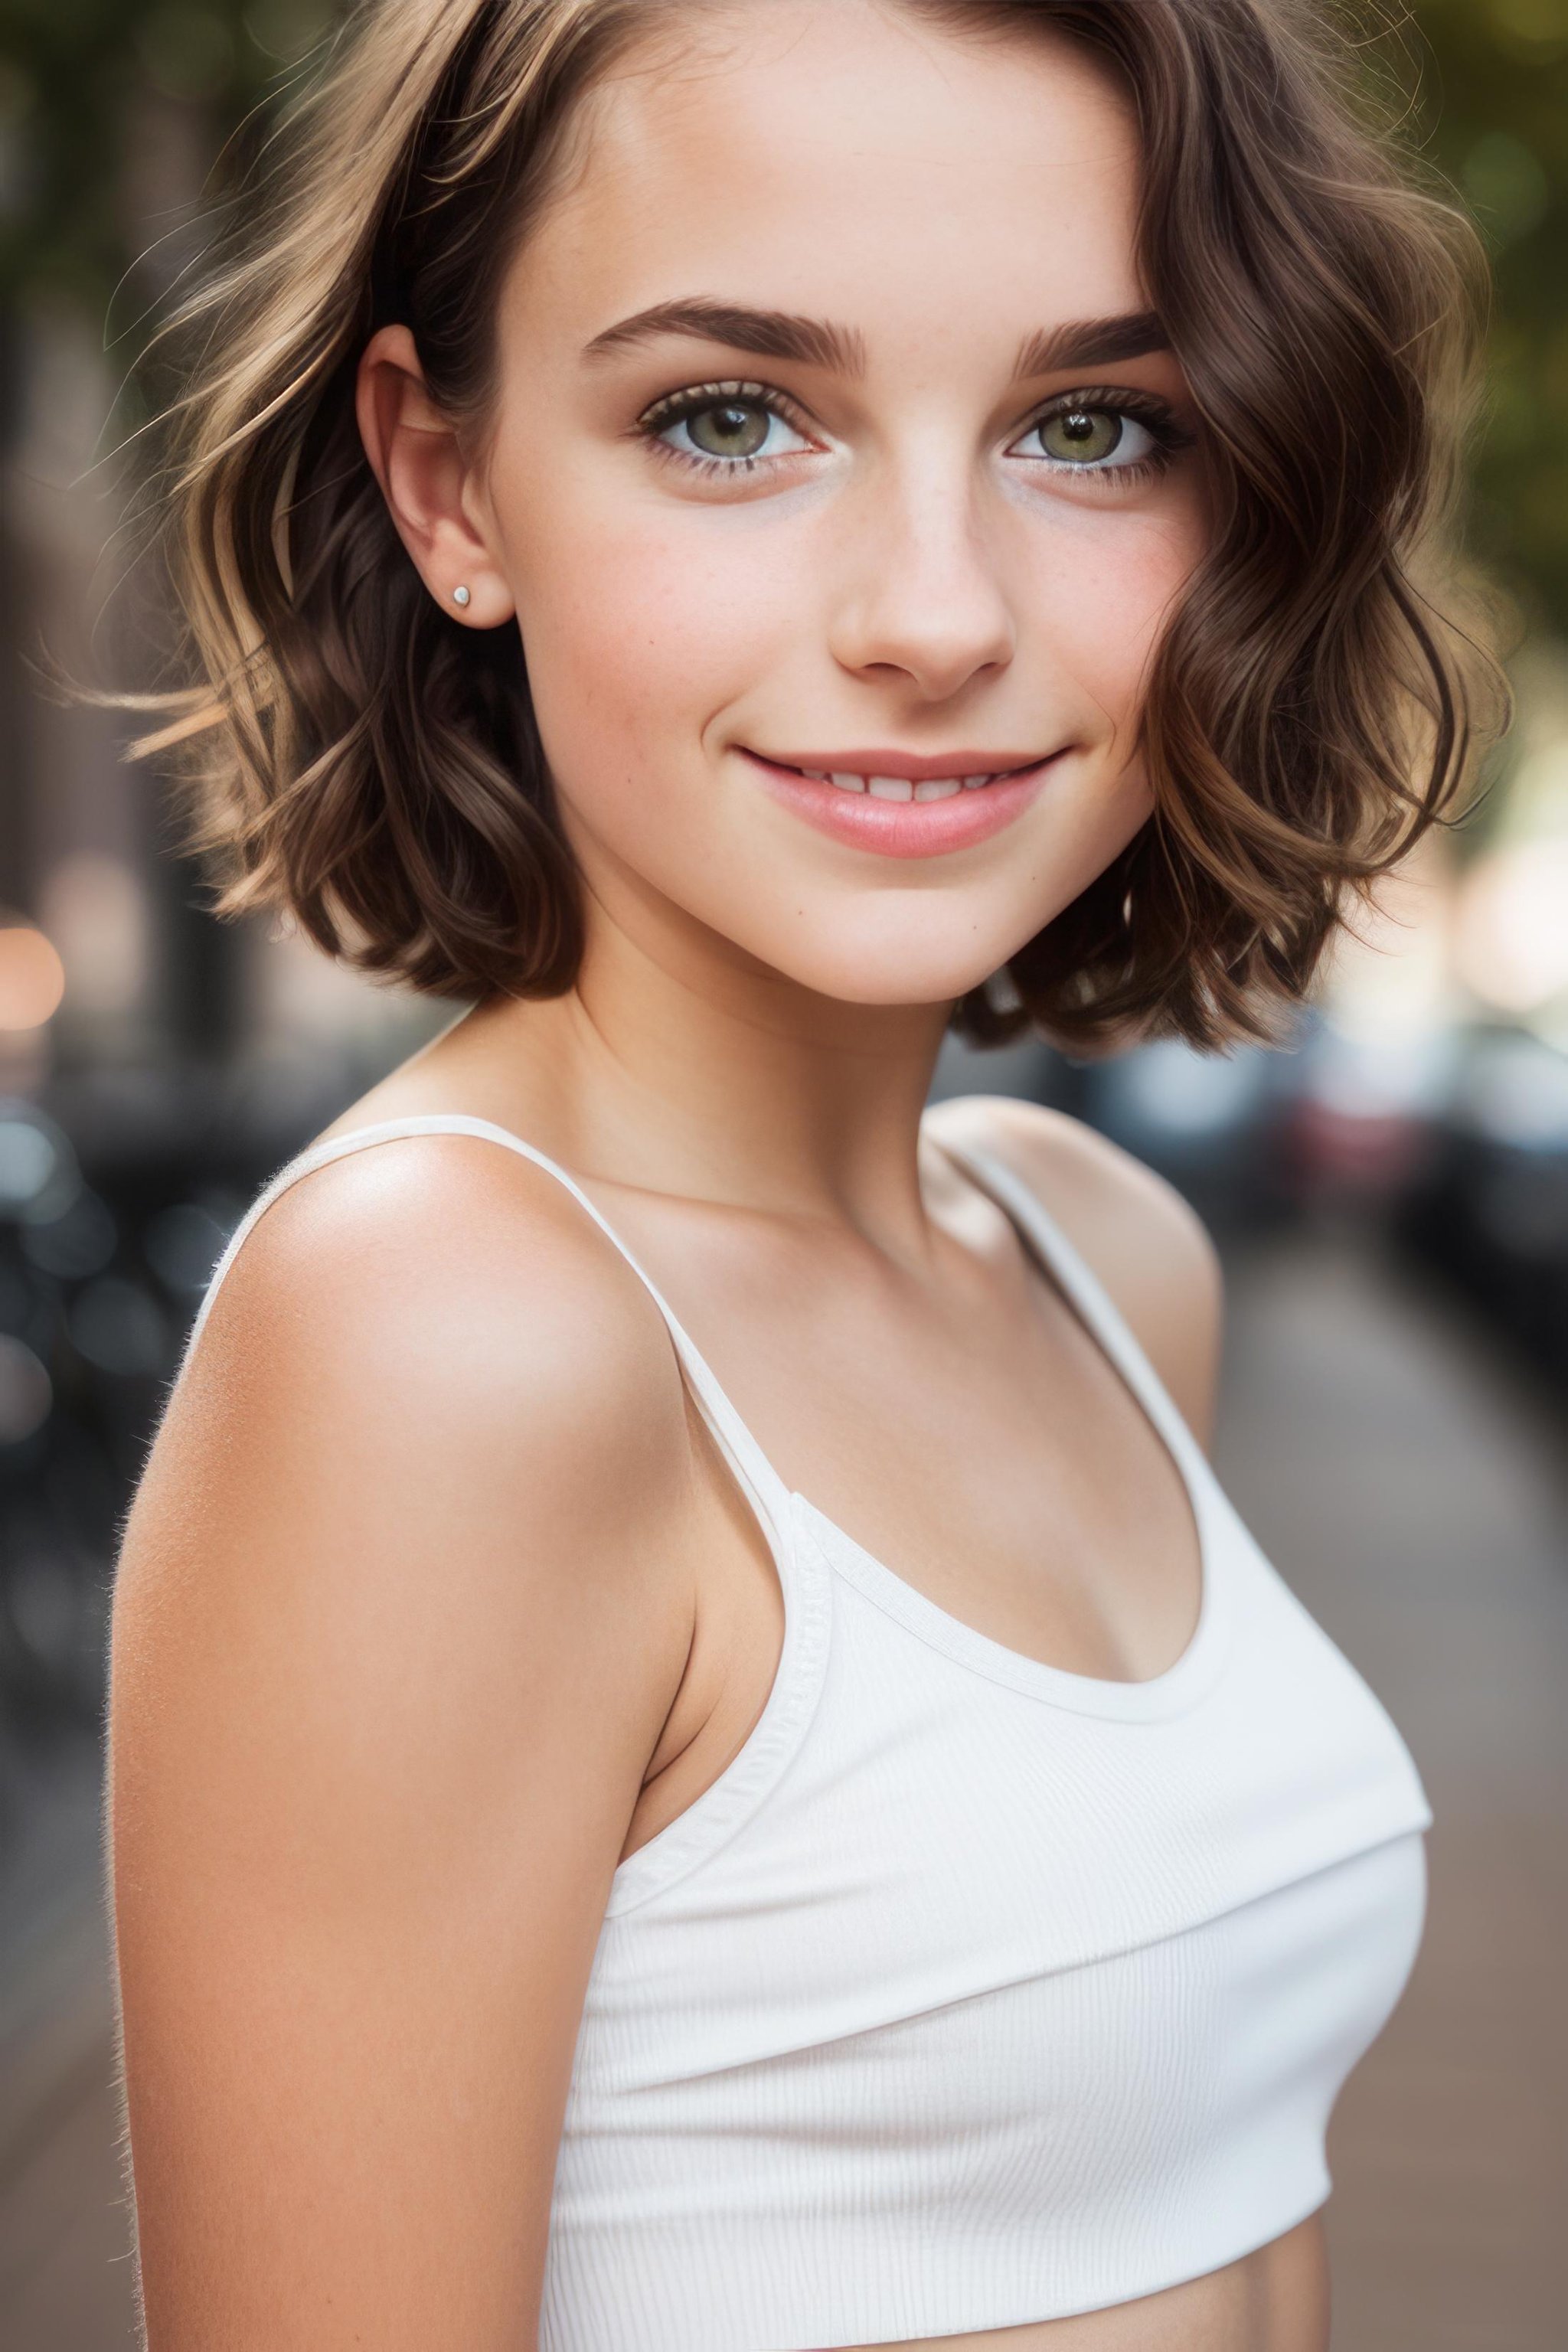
pixel 425 1357
pixel 401 1609
pixel 1146 1244
pixel 441 1272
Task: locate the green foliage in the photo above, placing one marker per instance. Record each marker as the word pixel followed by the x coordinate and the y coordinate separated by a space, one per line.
pixel 86 87
pixel 1494 106
pixel 85 84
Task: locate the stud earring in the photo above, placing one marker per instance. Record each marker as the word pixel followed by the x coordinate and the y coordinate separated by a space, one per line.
pixel 460 596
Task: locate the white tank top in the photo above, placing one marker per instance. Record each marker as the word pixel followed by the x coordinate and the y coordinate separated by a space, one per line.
pixel 974 1992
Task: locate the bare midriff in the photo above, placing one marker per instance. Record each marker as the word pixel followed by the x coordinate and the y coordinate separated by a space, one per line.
pixel 1274 2300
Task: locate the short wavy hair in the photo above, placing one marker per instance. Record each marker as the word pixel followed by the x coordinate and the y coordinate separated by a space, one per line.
pixel 349 754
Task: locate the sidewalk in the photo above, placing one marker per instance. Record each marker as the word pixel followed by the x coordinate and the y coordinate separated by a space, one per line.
pixel 1415 1491
pixel 65 2271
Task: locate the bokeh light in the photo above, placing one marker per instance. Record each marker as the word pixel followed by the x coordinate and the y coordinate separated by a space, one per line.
pixel 32 978
pixel 26 1393
pixel 1512 935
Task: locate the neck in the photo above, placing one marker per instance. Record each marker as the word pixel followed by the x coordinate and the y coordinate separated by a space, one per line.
pixel 685 1066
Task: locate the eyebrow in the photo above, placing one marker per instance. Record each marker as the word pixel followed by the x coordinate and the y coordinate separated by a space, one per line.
pixel 1093 342
pixel 771 334
pixel 817 342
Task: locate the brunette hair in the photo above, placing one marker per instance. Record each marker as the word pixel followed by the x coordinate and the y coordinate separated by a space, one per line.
pixel 353 755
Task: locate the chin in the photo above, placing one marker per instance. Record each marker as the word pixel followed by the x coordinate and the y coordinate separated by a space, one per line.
pixel 853 976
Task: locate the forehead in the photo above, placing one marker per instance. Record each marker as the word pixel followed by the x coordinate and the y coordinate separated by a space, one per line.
pixel 847 158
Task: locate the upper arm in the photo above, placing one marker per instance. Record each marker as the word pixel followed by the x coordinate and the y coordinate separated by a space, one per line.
pixel 398 1617
pixel 1147 1245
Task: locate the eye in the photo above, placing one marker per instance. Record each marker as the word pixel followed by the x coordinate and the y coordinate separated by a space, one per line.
pixel 1119 437
pixel 722 427
pixel 1090 439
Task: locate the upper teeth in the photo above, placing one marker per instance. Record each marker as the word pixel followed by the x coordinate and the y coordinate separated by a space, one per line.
pixel 899 788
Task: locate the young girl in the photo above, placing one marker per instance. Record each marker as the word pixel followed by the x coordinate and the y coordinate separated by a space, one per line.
pixel 697 1762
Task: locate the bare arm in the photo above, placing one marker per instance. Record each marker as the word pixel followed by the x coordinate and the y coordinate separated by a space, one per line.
pixel 398 1618
pixel 1144 1241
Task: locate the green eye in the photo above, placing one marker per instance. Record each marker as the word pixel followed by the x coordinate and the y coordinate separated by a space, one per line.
pixel 1104 437
pixel 731 428
pixel 1082 436
pixel 723 428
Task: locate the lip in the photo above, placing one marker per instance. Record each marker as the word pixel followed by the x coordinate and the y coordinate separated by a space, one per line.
pixel 906 828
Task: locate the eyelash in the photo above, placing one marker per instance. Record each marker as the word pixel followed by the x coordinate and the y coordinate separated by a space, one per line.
pixel 1143 408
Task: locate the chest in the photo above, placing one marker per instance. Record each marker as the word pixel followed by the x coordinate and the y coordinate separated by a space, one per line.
pixel 989 1453
pixel 994 1889
pixel 971 1432
pixel 1062 1966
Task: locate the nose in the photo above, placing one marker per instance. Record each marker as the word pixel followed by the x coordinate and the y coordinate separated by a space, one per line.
pixel 923 601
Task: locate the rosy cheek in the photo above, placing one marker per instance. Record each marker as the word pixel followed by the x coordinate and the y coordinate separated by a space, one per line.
pixel 1105 609
pixel 641 629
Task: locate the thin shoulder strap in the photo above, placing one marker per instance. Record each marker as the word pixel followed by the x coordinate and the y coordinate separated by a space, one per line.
pixel 1069 1267
pixel 759 1479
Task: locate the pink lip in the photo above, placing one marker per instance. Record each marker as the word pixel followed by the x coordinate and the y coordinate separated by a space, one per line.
pixel 905 828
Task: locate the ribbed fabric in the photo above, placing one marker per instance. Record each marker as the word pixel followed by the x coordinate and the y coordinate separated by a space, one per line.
pixel 975 1992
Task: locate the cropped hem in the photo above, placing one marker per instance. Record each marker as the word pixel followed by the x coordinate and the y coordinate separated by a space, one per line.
pixel 879 2286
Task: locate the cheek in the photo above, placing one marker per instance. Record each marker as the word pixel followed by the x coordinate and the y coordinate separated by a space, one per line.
pixel 1099 607
pixel 639 626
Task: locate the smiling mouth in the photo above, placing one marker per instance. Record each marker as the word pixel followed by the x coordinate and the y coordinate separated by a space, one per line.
pixel 906 788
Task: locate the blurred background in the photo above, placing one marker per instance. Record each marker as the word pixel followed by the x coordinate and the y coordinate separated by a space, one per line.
pixel 1391 1192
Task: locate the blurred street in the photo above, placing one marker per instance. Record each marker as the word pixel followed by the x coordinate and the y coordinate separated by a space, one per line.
pixel 1414 1487
pixel 1388 1178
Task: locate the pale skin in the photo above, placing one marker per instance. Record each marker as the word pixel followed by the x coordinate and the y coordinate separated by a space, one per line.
pixel 435 1601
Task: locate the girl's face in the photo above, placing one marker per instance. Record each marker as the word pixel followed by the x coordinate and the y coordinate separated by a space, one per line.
pixel 843 488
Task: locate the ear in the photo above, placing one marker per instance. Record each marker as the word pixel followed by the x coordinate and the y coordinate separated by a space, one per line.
pixel 414 454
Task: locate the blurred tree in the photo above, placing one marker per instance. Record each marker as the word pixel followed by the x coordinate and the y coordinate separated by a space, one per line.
pixel 1493 105
pixel 72 76
pixel 111 113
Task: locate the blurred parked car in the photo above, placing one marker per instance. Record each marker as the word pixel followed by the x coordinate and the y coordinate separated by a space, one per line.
pixel 1491 1209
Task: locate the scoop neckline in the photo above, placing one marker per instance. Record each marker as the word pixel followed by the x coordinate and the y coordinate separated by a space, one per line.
pixel 1194 1669
pixel 1176 1687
